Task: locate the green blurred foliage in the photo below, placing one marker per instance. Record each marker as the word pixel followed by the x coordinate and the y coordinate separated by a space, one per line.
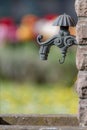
pixel 29 85
pixel 21 63
pixel 29 98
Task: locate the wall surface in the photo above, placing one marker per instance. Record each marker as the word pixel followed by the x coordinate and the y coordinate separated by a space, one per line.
pixel 81 59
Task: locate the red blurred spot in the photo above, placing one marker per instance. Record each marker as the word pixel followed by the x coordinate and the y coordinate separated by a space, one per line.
pixel 50 16
pixel 7 21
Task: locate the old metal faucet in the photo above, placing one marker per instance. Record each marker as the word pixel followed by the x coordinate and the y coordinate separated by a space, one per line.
pixel 63 39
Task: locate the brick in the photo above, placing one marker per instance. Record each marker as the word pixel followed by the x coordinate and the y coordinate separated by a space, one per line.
pixel 81 31
pixel 81 58
pixel 82 84
pixel 83 112
pixel 81 7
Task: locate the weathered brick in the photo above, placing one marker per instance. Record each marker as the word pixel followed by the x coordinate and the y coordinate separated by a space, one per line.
pixel 82 84
pixel 81 58
pixel 81 30
pixel 83 111
pixel 81 7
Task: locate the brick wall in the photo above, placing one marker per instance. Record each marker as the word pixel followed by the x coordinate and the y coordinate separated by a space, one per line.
pixel 81 59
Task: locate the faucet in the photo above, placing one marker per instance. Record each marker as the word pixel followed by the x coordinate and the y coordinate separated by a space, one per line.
pixel 62 40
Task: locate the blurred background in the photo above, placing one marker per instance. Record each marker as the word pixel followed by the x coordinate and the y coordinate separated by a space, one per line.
pixel 27 84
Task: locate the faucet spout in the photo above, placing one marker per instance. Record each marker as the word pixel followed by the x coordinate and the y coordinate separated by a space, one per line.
pixel 44 50
pixel 45 46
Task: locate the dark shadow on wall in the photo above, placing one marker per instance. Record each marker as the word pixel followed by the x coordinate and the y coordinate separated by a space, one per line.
pixel 2 122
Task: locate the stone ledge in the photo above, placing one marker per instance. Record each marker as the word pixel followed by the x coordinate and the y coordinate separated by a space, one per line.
pixel 17 127
pixel 38 120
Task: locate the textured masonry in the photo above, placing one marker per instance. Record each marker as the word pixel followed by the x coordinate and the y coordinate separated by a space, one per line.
pixel 81 59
